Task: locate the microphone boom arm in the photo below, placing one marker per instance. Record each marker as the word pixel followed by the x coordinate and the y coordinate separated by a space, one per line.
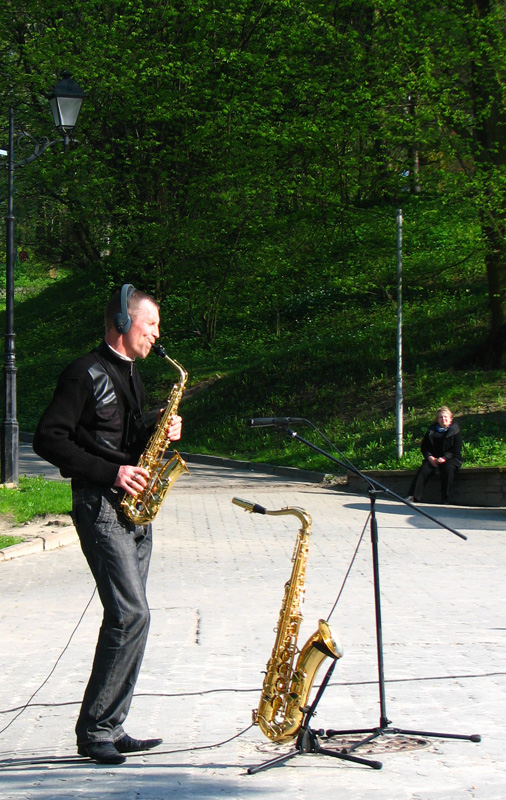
pixel 373 484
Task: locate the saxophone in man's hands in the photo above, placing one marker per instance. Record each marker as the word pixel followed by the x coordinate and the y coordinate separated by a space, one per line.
pixel 142 507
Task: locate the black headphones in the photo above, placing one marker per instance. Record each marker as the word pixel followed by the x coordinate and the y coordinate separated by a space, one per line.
pixel 122 320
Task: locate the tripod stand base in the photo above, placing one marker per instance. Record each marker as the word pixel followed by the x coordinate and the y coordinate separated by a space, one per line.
pixel 307 742
pixel 381 730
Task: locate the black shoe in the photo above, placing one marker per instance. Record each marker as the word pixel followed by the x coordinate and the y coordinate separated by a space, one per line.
pixel 129 745
pixel 102 752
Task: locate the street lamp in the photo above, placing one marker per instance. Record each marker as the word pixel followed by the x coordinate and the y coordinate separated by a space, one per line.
pixel 65 99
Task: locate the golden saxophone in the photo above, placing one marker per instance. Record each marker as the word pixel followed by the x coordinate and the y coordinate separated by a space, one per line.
pixel 144 506
pixel 286 688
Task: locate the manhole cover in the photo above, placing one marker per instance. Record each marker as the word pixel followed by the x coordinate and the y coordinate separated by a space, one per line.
pixel 384 743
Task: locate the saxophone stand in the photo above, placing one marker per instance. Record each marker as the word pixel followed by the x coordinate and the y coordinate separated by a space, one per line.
pixel 307 739
pixel 374 487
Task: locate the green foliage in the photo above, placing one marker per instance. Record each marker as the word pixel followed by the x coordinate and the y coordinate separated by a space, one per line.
pixel 244 162
pixel 333 359
pixel 356 412
pixel 223 148
pixel 57 318
pixel 35 497
pixel 333 363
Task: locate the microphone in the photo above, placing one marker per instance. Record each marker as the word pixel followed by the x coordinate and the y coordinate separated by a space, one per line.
pixel 266 422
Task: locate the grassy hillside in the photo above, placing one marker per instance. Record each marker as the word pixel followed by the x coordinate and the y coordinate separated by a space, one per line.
pixel 334 363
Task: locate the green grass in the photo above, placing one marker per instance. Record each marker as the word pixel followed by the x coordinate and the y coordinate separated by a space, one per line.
pixel 34 497
pixel 8 541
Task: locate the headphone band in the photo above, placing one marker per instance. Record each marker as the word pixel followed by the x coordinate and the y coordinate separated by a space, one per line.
pixel 122 320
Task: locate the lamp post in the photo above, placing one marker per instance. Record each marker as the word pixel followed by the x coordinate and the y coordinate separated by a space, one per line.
pixel 65 99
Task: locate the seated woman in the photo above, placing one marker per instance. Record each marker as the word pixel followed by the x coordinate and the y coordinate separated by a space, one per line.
pixel 441 448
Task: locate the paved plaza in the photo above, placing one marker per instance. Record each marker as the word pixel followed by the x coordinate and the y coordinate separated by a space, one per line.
pixel 215 590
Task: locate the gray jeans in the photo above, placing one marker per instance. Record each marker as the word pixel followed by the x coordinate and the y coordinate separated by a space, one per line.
pixel 118 554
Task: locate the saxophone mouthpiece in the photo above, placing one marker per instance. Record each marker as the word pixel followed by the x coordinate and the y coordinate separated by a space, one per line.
pixel 158 349
pixel 253 508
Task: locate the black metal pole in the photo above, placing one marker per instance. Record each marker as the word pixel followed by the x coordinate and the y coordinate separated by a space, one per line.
pixel 377 605
pixel 9 428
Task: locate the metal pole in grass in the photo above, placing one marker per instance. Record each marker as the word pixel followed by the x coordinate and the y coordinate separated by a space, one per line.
pixel 399 421
pixel 65 100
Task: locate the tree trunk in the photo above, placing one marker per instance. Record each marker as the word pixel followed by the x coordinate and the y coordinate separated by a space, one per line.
pixel 495 260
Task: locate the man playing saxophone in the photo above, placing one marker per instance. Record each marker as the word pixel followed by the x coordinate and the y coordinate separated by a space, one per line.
pixel 94 430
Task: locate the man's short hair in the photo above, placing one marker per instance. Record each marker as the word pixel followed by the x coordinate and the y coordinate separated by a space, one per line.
pixel 113 307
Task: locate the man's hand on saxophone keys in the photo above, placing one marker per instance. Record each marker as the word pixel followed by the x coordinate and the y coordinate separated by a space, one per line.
pixel 132 479
pixel 174 430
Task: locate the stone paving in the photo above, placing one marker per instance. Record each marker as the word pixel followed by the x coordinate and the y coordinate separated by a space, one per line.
pixel 216 586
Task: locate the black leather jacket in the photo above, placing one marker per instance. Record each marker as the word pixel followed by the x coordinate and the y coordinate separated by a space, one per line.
pixel 95 420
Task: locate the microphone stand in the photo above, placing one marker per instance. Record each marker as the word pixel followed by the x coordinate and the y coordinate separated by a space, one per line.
pixel 384 722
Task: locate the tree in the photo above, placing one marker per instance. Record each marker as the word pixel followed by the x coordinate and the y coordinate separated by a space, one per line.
pixel 229 153
pixel 457 76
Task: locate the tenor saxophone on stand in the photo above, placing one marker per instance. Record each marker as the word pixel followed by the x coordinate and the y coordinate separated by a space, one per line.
pixel 144 506
pixel 286 686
